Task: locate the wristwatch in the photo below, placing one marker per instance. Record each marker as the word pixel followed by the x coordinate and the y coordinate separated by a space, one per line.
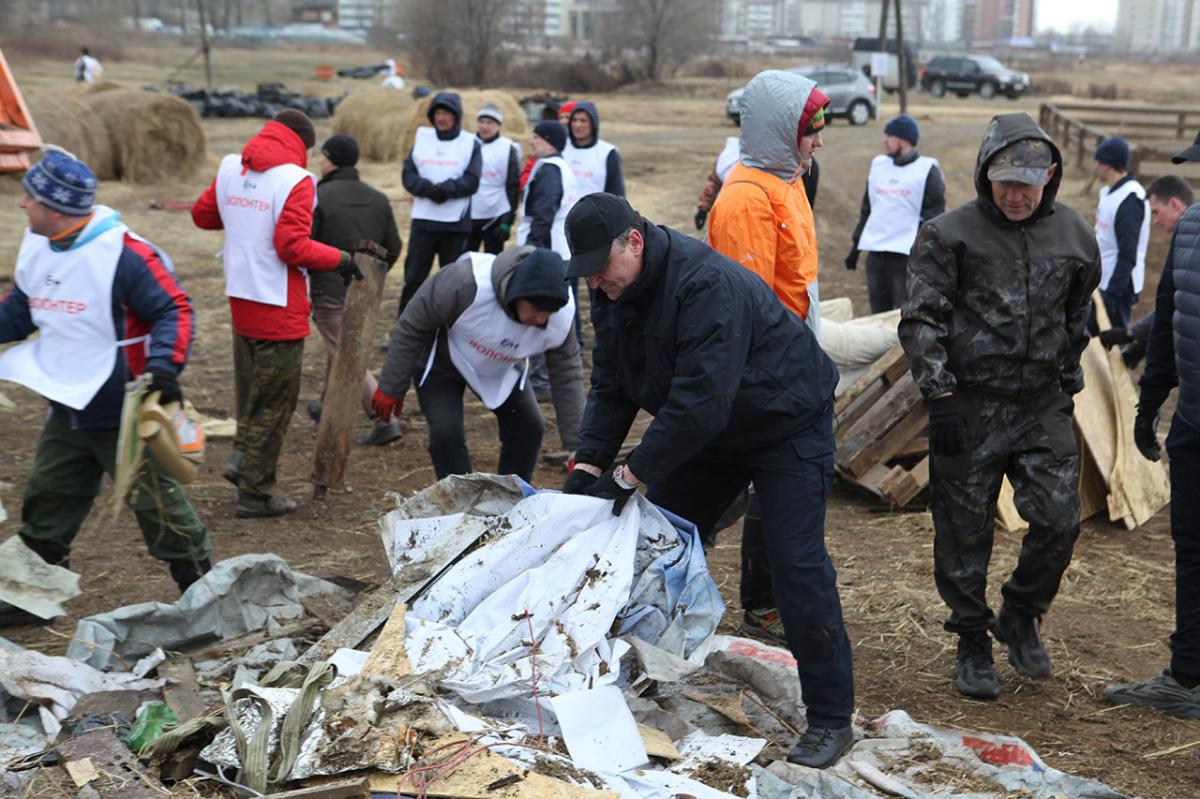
pixel 619 478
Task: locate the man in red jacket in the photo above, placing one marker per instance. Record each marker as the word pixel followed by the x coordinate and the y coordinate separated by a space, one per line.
pixel 264 201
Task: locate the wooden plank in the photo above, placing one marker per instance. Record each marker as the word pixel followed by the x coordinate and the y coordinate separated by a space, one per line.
pixel 658 744
pixel 388 657
pixel 918 446
pixel 181 693
pixel 1007 517
pixel 471 780
pixel 885 365
pixel 902 485
pixel 344 789
pixel 119 774
pixel 894 406
pixel 858 460
pixel 871 482
pixel 341 404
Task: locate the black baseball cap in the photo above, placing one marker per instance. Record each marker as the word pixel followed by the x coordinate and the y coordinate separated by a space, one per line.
pixel 592 225
pixel 1190 154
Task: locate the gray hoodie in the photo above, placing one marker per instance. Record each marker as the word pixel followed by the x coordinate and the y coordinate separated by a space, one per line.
pixel 439 303
pixel 772 107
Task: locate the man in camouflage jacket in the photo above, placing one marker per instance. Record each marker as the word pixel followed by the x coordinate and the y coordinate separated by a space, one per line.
pixel 994 325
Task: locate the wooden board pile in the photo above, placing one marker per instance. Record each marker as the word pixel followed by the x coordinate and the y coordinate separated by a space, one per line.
pixel 881 422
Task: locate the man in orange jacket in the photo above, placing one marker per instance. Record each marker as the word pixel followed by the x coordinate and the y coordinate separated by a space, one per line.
pixel 763 220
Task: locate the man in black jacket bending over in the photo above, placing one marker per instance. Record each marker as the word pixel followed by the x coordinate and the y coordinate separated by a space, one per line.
pixel 741 393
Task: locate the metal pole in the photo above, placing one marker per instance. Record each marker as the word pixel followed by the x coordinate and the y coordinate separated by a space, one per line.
pixel 204 45
pixel 901 60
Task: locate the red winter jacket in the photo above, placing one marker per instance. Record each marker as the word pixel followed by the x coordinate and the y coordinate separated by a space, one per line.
pixel 277 144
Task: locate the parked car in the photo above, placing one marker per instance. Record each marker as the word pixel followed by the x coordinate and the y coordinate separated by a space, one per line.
pixel 851 94
pixel 972 74
pixel 865 48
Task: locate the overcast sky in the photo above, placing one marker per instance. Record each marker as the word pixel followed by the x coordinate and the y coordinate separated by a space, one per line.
pixel 1063 15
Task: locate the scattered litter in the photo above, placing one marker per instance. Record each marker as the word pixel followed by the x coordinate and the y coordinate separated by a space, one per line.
pixel 599 730
pixel 17 741
pixel 32 584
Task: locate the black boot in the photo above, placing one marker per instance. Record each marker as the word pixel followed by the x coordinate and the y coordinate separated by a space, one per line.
pixel 186 572
pixel 974 671
pixel 52 552
pixel 1026 652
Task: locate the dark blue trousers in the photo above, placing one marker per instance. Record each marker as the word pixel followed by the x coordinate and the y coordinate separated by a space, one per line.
pixel 793 480
pixel 1183 449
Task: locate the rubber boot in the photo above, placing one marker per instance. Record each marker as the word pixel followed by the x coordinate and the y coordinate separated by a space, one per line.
pixel 186 572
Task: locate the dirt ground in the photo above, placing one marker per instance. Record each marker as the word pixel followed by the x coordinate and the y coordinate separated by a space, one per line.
pixel 1109 623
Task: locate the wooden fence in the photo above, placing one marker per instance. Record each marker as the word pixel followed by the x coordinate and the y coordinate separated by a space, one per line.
pixel 1154 134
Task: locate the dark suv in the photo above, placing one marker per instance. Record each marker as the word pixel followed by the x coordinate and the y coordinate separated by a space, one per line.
pixel 971 74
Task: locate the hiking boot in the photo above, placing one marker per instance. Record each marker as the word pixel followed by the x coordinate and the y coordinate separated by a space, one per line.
pixel 314 410
pixel 1025 651
pixel 974 674
pixel 764 623
pixel 821 746
pixel 186 572
pixel 1161 692
pixel 13 616
pixel 254 507
pixel 382 436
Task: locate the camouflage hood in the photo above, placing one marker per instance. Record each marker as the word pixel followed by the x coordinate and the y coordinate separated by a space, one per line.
pixel 773 106
pixel 1003 130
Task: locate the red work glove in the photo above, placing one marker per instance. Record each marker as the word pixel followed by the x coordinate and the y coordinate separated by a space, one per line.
pixel 385 406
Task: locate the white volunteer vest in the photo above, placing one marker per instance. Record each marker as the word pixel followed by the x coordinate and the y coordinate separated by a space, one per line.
pixel 897 193
pixel 487 345
pixel 1106 235
pixel 491 200
pixel 70 301
pixel 436 161
pixel 558 229
pixel 250 205
pixel 728 157
pixel 589 165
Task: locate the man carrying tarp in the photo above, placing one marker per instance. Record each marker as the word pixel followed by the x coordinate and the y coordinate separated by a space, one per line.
pixel 741 393
pixel 107 307
pixel 994 325
pixel 475 324
pixel 1173 360
pixel 762 220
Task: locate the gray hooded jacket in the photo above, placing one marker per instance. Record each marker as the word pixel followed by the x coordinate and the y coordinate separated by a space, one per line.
pixel 773 106
pixel 438 304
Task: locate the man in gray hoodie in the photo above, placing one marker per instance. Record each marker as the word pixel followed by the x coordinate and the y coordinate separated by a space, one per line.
pixel 477 323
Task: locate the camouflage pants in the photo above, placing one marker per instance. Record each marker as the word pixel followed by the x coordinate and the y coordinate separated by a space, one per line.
pixel 1033 443
pixel 67 472
pixel 267 385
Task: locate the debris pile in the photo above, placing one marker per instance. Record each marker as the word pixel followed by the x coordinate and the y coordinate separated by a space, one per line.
pixel 526 645
pixel 266 101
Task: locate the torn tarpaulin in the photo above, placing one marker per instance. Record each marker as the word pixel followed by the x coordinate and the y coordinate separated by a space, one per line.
pixel 557 570
pixel 32 584
pixel 247 592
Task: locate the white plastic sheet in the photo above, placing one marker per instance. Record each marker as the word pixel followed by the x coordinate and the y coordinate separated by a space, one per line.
pixel 30 583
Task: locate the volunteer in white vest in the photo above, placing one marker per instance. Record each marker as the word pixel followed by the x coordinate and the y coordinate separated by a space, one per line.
pixel 494 205
pixel 1122 231
pixel 904 190
pixel 475 324
pixel 595 162
pixel 441 173
pixel 264 199
pixel 550 193
pixel 87 68
pixel 106 307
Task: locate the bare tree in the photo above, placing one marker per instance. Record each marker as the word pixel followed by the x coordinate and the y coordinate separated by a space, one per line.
pixel 664 32
pixel 457 41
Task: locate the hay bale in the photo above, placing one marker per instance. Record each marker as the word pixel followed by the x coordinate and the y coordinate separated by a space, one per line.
pixel 377 118
pixel 155 137
pixel 514 118
pixel 72 125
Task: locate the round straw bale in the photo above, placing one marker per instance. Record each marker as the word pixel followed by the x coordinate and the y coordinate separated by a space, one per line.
pixel 472 99
pixel 377 118
pixel 73 126
pixel 155 137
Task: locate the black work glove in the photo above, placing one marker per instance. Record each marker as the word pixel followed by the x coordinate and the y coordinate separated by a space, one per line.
pixel 701 218
pixel 166 384
pixel 606 487
pixel 947 427
pixel 1145 433
pixel 348 269
pixel 852 259
pixel 436 193
pixel 578 482
pixel 1115 337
